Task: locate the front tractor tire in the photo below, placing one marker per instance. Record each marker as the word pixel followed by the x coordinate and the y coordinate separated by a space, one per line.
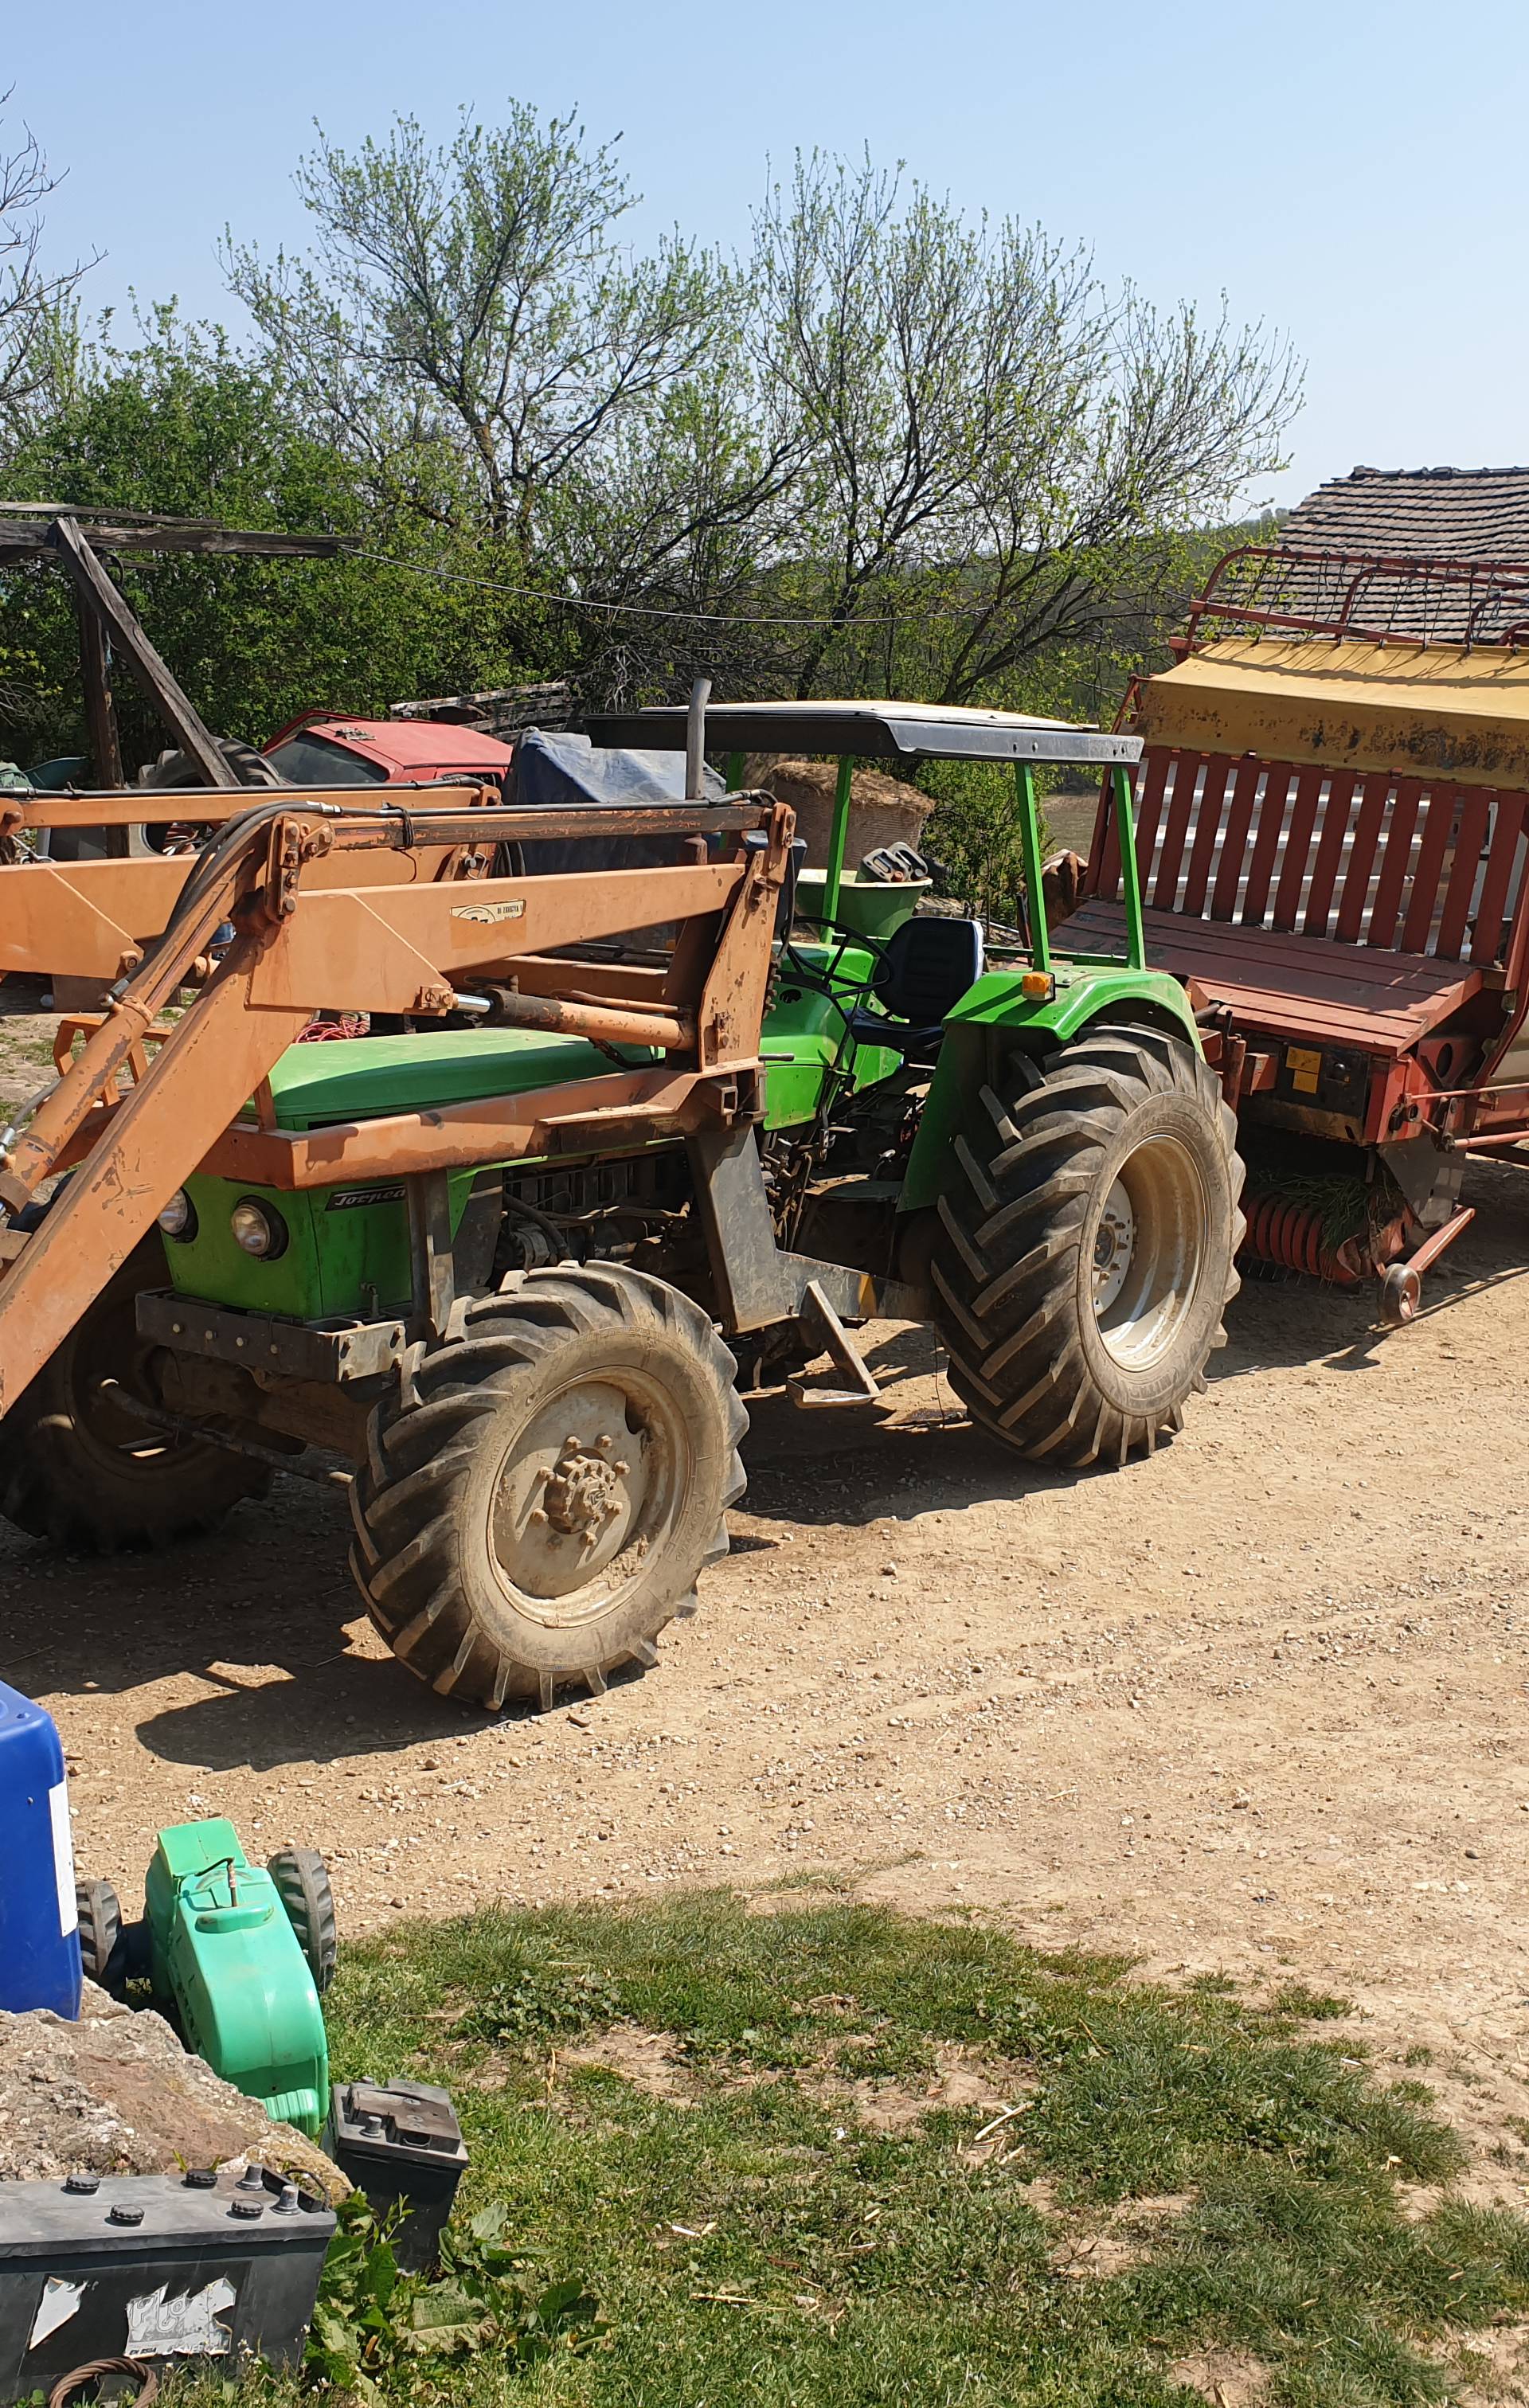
pixel 79 1469
pixel 543 1489
pixel 1087 1246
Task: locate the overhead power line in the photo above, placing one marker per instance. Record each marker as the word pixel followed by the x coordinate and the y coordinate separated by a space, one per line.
pixel 649 610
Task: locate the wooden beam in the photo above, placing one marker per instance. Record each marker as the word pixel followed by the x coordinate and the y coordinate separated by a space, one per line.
pixel 23 539
pixel 100 717
pixel 98 595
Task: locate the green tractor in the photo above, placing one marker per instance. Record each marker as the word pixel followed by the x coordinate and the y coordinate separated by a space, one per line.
pixel 810 1104
pixel 1029 1146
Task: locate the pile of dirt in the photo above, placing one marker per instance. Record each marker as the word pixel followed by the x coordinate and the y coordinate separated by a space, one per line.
pixel 116 2093
pixel 882 810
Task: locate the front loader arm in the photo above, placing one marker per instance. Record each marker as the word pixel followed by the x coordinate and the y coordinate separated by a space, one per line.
pixel 296 951
pixel 204 1073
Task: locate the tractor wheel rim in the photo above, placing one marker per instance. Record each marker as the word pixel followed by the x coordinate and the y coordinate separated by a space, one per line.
pixel 585 1492
pixel 1114 1242
pixel 1149 1253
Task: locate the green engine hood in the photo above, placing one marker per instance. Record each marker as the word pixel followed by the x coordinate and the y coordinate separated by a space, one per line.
pixel 363 1078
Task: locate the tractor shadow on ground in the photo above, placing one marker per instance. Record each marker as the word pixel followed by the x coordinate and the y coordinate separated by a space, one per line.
pixel 261 1621
pixel 350 1705
pixel 258 1617
pixel 916 1452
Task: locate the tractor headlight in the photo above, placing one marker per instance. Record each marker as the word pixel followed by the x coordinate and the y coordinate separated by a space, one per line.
pixel 179 1218
pixel 259 1228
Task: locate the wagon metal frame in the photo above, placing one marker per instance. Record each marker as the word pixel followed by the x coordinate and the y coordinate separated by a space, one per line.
pixel 1332 834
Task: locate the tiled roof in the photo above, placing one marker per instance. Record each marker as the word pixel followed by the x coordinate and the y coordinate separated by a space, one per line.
pixel 1447 513
pixel 1455 514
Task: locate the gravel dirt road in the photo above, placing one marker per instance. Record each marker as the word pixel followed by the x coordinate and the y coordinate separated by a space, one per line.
pixel 1253 1704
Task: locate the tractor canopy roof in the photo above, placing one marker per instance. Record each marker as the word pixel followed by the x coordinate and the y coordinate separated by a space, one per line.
pixel 903 732
pixel 1458 710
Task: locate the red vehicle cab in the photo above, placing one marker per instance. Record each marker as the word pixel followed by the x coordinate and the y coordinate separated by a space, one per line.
pixel 323 751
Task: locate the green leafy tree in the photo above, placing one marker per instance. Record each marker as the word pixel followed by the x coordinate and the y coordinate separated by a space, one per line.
pixel 183 423
pixel 894 449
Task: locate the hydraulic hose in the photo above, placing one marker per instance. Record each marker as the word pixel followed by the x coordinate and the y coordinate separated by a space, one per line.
pixel 211 863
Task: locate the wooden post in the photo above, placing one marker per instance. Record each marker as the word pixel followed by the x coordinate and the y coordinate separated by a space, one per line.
pixel 99 595
pixel 100 716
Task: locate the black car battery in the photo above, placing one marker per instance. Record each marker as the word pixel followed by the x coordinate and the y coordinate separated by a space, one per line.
pixel 154 2266
pixel 400 2143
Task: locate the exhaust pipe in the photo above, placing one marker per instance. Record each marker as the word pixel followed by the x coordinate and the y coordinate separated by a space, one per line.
pixel 695 742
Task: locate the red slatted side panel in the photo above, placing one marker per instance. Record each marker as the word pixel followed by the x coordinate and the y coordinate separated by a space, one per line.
pixel 1207 821
pixel 1368 823
pixel 1150 789
pixel 1102 875
pixel 1186 771
pixel 1303 819
pixel 1271 819
pixel 1438 821
pixel 1475 818
pixel 1325 869
pixel 1394 860
pixel 1240 818
pixel 1491 911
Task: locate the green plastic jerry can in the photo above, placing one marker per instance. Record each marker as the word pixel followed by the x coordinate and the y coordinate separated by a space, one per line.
pixel 234 1952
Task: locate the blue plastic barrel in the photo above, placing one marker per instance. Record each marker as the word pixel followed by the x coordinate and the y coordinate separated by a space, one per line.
pixel 40 1937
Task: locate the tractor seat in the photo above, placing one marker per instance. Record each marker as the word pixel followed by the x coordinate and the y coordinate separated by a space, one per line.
pixel 927 967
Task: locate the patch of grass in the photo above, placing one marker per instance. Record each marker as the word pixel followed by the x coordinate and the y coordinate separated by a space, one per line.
pixel 540 2002
pixel 376 2329
pixel 1310 2006
pixel 753 2241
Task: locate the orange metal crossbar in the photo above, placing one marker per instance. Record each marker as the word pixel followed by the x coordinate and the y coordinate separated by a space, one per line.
pixel 206 806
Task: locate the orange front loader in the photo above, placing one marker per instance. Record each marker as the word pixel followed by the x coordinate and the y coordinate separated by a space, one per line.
pixel 544 1449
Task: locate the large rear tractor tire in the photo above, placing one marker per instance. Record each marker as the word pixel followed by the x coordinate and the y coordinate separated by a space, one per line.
pixel 244 765
pixel 76 1468
pixel 1086 1252
pixel 541 1493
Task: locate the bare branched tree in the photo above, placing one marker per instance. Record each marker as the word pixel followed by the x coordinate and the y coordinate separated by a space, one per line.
pixel 992 436
pixel 35 318
pixel 476 294
pixel 894 448
pixel 669 538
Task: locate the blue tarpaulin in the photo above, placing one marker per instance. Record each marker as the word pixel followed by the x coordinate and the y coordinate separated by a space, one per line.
pixel 562 773
pixel 570 770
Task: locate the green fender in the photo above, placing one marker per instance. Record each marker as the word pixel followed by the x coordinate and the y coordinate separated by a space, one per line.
pixel 993 1014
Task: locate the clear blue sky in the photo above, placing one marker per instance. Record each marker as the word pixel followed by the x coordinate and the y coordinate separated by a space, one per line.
pixel 1349 170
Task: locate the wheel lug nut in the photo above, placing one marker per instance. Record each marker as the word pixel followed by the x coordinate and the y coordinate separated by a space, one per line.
pixel 537 1513
pixel 622 1467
